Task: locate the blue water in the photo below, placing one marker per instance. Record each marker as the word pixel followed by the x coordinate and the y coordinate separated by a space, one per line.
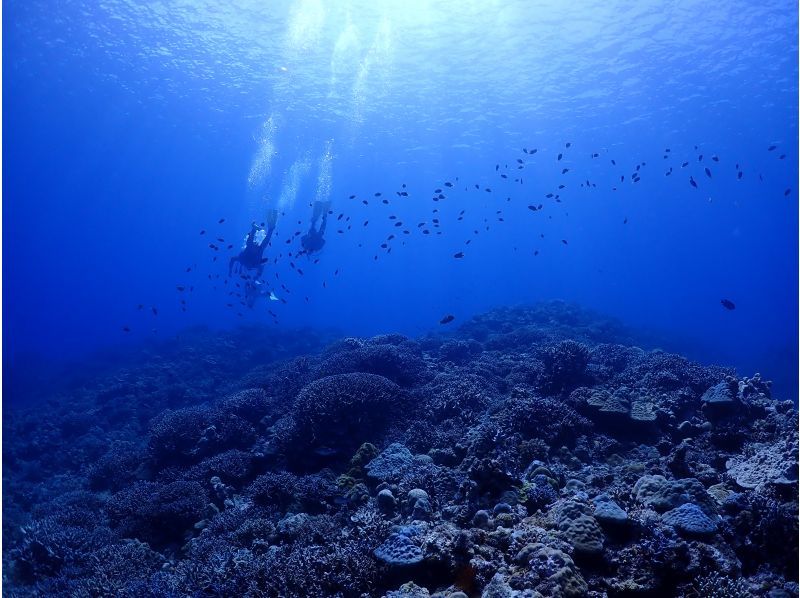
pixel 130 127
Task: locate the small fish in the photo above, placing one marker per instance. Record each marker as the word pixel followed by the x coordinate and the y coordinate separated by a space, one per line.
pixel 625 221
pixel 141 307
pixel 692 182
pixel 377 194
pixel 684 165
pixel 125 329
pixel 559 156
pixel 447 319
pixel 569 144
pixel 352 197
pixel 728 304
pixel 771 147
pixel 220 239
pixel 715 158
pixel 564 170
pixel 613 162
pixel 155 311
pixel 220 221
pixel 496 167
pixel 708 173
pixel 739 175
pixel 564 241
pixel 458 255
pixel 202 232
pixel 180 288
pixel 787 192
pixel 448 184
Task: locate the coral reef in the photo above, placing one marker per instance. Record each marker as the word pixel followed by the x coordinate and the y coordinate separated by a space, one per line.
pixel 534 451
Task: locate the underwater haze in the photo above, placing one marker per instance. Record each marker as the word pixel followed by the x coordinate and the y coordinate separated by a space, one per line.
pixel 130 127
pixel 400 299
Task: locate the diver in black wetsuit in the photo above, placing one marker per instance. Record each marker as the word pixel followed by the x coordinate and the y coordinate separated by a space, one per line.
pixel 250 257
pixel 255 289
pixel 314 240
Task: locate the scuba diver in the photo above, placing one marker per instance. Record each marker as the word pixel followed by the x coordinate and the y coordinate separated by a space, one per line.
pixel 254 289
pixel 314 240
pixel 250 257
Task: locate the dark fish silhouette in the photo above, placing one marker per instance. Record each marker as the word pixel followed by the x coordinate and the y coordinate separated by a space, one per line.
pixel 692 182
pixel 125 329
pixel 771 147
pixel 155 311
pixel 180 288
pixel 202 232
pixel 447 319
pixel 559 156
pixel 564 241
pixel 787 192
pixel 708 173
pixel 569 144
pixel 458 255
pixel 728 304
pixel 352 197
pixel 220 221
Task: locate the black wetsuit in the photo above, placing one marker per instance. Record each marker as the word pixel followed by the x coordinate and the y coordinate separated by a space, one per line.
pixel 251 257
